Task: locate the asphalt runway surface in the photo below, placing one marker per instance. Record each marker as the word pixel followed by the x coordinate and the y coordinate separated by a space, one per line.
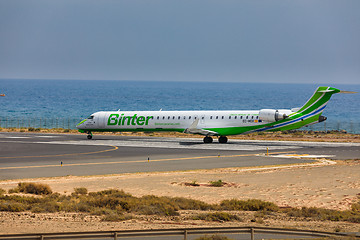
pixel 31 155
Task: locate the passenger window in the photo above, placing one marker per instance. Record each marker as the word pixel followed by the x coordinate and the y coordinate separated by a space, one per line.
pixel 184 117
pixel 168 117
pixel 235 117
pixel 252 117
pixel 158 117
pixel 163 117
pixel 173 117
pixel 257 117
pixel 202 117
pixel 247 117
pixel 210 117
pixel 189 117
pixel 229 117
pixel 240 117
pixel 217 117
pixel 179 117
pixel 222 117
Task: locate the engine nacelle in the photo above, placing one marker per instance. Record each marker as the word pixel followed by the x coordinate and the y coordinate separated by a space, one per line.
pixel 273 115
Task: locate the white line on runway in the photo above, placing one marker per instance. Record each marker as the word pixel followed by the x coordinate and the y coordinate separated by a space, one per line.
pixel 16 137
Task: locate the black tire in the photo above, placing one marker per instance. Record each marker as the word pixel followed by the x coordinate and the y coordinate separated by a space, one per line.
pixel 89 136
pixel 223 139
pixel 208 140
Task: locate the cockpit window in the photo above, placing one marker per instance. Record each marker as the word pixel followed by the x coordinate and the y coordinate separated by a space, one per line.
pixel 91 117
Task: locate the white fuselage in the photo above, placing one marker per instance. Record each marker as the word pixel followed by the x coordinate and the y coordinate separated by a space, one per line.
pixel 169 119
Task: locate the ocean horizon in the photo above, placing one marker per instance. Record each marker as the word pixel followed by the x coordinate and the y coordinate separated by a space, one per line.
pixel 76 99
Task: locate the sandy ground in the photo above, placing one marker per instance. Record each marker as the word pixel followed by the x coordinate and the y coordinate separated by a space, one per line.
pixel 328 185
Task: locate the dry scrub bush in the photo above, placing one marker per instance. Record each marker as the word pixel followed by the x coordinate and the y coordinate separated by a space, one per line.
pixel 113 204
pixel 213 237
pixel 81 191
pixel 32 188
pixel 217 216
pixel 248 205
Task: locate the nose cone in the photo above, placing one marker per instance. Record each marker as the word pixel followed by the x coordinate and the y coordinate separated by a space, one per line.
pixel 81 124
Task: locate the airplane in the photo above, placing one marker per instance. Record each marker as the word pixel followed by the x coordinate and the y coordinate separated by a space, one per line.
pixel 211 123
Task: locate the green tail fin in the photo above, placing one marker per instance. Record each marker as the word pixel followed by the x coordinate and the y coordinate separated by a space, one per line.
pixel 318 100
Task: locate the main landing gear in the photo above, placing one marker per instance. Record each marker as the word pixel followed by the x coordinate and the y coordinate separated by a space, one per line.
pixel 89 136
pixel 208 139
pixel 222 139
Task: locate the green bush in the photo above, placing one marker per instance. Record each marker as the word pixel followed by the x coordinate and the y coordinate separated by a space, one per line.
pixel 248 205
pixel 193 184
pixel 31 129
pixel 218 183
pixel 2 191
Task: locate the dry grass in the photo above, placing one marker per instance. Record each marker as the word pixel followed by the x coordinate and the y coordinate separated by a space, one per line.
pixel 213 237
pixel 217 216
pixel 32 188
pixel 116 205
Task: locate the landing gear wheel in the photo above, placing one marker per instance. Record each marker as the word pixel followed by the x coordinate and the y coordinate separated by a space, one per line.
pixel 89 136
pixel 223 139
pixel 208 140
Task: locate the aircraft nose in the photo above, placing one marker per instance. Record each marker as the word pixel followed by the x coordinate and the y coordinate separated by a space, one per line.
pixel 81 124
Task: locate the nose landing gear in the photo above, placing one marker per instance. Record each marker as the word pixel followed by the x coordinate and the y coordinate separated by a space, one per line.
pixel 89 136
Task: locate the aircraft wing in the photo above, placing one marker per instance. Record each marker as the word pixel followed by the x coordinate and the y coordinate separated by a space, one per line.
pixel 194 130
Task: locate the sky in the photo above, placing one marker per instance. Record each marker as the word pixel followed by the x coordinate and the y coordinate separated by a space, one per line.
pixel 284 41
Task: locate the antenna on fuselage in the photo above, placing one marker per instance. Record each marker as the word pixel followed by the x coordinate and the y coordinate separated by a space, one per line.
pixel 160 109
pixel 118 110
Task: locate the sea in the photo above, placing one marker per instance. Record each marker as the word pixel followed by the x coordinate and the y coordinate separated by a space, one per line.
pixel 63 103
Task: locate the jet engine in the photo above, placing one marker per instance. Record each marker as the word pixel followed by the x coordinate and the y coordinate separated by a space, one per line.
pixel 273 115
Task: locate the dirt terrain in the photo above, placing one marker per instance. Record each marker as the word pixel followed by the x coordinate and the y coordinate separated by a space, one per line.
pixel 328 184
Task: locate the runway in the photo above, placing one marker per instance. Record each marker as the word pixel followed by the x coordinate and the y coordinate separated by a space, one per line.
pixel 30 155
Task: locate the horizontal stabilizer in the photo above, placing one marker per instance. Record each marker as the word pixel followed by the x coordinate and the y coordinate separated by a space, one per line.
pixel 348 92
